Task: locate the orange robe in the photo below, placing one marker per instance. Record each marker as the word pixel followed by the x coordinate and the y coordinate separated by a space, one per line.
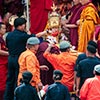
pixel 29 62
pixel 65 62
pixel 91 89
pixel 88 20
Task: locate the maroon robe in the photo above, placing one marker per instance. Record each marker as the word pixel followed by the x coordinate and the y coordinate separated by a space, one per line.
pixel 14 7
pixel 1 7
pixel 97 37
pixel 39 14
pixel 3 69
pixel 46 76
pixel 77 9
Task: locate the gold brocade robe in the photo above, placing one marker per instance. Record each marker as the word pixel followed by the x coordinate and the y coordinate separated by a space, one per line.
pixel 88 20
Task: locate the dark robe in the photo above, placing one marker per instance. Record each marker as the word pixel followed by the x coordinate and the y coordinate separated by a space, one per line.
pixel 1 7
pixel 3 69
pixel 97 37
pixel 76 11
pixel 46 76
pixel 14 7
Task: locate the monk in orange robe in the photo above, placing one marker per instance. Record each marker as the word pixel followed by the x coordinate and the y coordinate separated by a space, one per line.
pixel 87 23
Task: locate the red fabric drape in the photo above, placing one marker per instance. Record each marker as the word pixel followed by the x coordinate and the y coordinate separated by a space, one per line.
pixel 39 14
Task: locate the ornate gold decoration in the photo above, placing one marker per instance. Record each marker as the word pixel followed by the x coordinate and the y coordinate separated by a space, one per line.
pixel 11 19
pixel 54 18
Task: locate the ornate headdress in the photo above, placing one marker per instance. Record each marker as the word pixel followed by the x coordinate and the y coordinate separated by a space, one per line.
pixel 54 18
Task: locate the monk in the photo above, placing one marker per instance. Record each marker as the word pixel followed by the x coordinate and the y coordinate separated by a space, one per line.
pixel 39 14
pixel 75 15
pixel 88 20
pixel 97 29
pixel 14 7
pixel 3 61
pixel 97 37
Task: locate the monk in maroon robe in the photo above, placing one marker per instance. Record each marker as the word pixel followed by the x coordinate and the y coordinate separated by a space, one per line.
pixel 97 37
pixel 3 61
pixel 3 70
pixel 46 76
pixel 77 9
pixel 14 7
pixel 39 14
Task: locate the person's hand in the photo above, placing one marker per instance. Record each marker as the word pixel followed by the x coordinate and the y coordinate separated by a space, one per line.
pixel 43 91
pixel 44 67
pixel 78 22
pixel 40 85
pixel 77 92
pixel 74 87
pixel 97 55
pixel 66 29
pixel 28 32
pixel 8 1
pixel 45 87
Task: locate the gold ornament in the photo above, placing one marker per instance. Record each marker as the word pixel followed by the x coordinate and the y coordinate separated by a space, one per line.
pixel 54 18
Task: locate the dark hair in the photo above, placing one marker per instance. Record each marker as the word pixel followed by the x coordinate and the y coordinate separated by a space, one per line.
pixel 57 75
pixel 19 21
pixel 96 2
pixel 64 50
pixel 99 13
pixel 98 74
pixel 91 49
pixel 68 14
pixel 1 23
pixel 27 76
pixel 69 1
pixel 4 14
pixel 29 46
pixel 91 42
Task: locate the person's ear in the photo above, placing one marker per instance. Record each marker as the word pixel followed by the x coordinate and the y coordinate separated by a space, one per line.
pixel 94 72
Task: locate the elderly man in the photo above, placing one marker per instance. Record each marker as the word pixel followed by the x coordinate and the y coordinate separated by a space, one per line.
pixel 29 62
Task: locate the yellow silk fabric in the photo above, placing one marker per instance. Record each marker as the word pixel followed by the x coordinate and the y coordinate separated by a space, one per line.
pixel 88 20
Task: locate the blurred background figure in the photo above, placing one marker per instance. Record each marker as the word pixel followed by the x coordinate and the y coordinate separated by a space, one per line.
pixel 3 61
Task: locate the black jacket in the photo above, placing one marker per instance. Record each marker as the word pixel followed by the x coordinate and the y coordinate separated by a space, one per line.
pixel 57 91
pixel 25 92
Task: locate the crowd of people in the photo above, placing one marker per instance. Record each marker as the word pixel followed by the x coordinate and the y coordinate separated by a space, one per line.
pixel 58 58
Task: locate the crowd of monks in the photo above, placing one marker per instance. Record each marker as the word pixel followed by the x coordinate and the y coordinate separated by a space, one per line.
pixel 79 23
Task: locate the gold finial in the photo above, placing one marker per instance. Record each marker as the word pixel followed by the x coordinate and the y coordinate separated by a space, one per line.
pixel 54 7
